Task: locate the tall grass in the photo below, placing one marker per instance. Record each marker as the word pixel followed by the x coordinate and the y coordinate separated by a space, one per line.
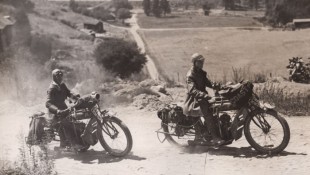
pixel 31 161
pixel 287 103
pixel 239 74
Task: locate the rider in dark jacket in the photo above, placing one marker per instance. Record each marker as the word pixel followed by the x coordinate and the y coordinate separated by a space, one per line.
pixel 198 100
pixel 58 110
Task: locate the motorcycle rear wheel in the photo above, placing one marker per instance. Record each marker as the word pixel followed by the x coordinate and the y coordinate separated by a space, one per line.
pixel 271 136
pixel 118 140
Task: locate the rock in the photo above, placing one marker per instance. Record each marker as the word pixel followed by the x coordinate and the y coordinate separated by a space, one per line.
pixel 159 89
pixel 148 83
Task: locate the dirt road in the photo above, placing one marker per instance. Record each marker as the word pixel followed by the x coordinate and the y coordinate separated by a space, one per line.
pixel 150 157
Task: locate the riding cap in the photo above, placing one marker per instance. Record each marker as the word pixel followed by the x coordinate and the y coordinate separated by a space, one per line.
pixel 197 57
pixel 56 72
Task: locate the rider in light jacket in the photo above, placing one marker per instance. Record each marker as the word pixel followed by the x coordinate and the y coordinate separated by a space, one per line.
pixel 199 100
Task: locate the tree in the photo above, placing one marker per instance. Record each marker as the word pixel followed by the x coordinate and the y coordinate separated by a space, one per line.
pixel 156 9
pixel 120 57
pixel 165 6
pixel 73 5
pixel 206 7
pixel 254 4
pixel 122 4
pixel 186 4
pixel 229 4
pixel 146 7
pixel 282 12
pixel 123 14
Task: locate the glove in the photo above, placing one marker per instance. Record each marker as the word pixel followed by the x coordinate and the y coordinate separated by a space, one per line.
pixel 76 96
pixel 212 99
pixel 207 97
pixel 63 112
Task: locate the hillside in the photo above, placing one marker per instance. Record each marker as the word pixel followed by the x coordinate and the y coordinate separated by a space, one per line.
pixel 56 41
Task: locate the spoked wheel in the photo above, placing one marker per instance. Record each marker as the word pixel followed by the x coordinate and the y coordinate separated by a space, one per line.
pixel 115 137
pixel 267 132
pixel 176 135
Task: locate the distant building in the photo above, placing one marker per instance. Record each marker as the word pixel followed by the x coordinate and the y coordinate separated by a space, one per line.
pixel 6 31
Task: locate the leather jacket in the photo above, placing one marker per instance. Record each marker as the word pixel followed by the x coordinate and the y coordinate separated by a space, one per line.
pixel 197 96
pixel 56 96
pixel 197 82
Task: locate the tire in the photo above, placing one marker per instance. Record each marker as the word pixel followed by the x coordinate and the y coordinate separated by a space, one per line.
pixel 281 126
pixel 105 139
pixel 178 141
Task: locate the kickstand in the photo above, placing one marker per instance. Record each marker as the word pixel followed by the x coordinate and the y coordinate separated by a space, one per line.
pixel 161 141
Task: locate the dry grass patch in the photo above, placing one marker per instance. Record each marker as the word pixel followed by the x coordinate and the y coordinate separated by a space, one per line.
pixel 195 20
pixel 293 101
pixel 261 51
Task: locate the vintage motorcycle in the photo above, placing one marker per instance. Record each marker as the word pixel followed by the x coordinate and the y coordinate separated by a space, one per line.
pixel 298 70
pixel 236 109
pixel 90 125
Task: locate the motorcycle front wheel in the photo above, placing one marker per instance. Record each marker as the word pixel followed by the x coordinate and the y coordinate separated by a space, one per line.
pixel 267 132
pixel 114 137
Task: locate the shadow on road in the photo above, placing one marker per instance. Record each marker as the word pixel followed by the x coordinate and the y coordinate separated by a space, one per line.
pixel 242 152
pixel 92 156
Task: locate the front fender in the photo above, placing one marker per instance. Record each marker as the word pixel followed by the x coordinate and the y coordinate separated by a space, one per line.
pixel 266 106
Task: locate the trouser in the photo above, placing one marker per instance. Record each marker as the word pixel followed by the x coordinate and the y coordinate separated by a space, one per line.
pixel 209 119
pixel 67 133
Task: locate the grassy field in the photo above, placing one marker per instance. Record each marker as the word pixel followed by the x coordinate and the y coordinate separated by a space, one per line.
pixel 195 20
pixel 258 50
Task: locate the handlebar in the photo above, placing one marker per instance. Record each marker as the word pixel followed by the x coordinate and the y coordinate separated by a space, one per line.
pixel 92 98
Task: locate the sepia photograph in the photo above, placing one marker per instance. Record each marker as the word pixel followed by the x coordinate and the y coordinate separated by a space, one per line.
pixel 154 87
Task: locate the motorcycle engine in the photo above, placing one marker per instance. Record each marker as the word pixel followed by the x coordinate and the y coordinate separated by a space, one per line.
pixel 225 121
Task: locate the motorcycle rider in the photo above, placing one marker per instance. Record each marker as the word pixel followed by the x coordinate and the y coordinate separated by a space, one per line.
pixel 198 97
pixel 297 70
pixel 58 110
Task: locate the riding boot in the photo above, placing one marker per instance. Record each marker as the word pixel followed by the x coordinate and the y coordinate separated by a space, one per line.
pixel 198 131
pixel 62 138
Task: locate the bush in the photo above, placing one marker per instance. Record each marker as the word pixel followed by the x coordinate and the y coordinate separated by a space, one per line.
pixel 259 78
pixel 279 11
pixel 123 13
pixel 122 4
pixel 120 57
pixel 239 74
pixel 101 13
pixel 32 161
pixel 68 23
pixel 289 104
